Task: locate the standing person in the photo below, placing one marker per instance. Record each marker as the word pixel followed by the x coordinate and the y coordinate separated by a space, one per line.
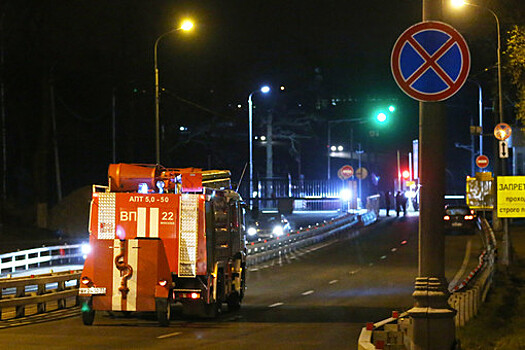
pixel 387 203
pixel 404 203
pixel 398 202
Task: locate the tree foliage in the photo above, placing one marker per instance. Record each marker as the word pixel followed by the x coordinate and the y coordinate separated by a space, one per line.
pixel 516 67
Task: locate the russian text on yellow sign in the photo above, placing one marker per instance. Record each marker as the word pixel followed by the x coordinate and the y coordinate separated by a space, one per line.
pixel 511 196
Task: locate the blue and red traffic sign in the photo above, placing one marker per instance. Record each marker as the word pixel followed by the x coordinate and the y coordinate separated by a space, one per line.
pixel 430 61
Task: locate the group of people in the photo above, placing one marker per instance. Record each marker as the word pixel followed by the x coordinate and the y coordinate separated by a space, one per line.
pixel 400 202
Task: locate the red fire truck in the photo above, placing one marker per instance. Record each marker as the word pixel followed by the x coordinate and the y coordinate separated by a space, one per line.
pixel 162 236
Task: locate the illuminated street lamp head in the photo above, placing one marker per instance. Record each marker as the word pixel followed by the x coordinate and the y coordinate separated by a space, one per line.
pixel 381 117
pixel 391 108
pixel 458 3
pixel 265 89
pixel 187 25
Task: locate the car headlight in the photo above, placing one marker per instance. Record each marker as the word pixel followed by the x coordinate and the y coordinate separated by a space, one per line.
pixel 251 231
pixel 277 230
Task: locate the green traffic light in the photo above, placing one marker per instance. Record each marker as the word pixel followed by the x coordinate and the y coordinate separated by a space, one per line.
pixel 381 117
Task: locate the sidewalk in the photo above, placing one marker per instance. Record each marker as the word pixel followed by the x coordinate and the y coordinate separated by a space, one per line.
pixel 501 321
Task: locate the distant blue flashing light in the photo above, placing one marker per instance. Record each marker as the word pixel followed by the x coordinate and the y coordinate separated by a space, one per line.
pixel 143 188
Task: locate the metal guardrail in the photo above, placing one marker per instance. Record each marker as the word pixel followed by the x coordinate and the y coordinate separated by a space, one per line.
pixel 15 292
pixel 49 288
pixel 260 252
pixel 472 292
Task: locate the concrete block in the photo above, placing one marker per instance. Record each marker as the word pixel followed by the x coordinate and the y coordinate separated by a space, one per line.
pixel 391 327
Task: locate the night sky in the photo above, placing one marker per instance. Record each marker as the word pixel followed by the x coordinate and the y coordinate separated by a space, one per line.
pixel 86 52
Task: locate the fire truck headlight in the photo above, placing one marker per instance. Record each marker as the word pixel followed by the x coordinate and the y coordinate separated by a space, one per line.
pixel 252 231
pixel 85 249
pixel 277 230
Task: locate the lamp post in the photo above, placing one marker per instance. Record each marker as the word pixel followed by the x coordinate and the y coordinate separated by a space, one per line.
pixel 264 89
pixel 502 164
pixel 186 26
pixel 458 3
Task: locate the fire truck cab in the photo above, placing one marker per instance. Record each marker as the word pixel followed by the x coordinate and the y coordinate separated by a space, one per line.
pixel 162 236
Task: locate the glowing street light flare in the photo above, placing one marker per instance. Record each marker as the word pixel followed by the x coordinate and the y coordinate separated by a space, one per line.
pixel 458 3
pixel 187 25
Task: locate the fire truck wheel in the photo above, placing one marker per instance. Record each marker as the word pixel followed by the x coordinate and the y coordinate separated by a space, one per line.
pixel 162 309
pixel 88 314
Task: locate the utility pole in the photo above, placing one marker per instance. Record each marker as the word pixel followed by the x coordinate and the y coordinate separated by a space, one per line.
pixel 269 155
pixel 432 318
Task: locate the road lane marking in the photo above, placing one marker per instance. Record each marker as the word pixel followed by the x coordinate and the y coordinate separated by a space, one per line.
pixel 394 249
pixel 174 334
pixel 333 281
pixel 383 257
pixel 276 304
pixel 308 292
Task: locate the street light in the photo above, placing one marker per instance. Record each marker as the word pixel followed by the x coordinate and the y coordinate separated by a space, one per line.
pixel 186 25
pixel 502 171
pixel 264 89
pixel 459 3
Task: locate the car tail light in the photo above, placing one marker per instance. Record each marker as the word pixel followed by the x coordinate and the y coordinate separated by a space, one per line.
pixel 85 281
pixel 192 295
pixel 446 217
pixel 469 217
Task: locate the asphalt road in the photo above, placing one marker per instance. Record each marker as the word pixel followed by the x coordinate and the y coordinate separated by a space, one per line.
pixel 318 298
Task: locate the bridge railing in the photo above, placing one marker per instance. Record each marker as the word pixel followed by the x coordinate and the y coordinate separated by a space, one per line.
pixel 40 257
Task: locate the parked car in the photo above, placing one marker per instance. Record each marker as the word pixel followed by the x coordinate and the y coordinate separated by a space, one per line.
pixel 459 218
pixel 267 226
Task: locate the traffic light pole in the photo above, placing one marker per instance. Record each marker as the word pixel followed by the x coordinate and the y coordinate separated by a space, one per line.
pixel 432 318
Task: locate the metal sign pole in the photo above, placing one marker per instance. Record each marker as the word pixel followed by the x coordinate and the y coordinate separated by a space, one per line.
pixel 433 319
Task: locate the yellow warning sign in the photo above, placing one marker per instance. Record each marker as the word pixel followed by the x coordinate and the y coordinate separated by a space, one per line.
pixel 511 196
pixel 479 193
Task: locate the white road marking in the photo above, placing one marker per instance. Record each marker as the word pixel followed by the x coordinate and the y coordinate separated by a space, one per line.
pixel 354 271
pixel 333 281
pixel 276 304
pixel 308 292
pixel 383 257
pixel 394 249
pixel 169 335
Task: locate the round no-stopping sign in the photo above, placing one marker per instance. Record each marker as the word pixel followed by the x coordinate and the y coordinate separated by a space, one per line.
pixel 482 161
pixel 430 61
pixel 502 131
pixel 345 172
